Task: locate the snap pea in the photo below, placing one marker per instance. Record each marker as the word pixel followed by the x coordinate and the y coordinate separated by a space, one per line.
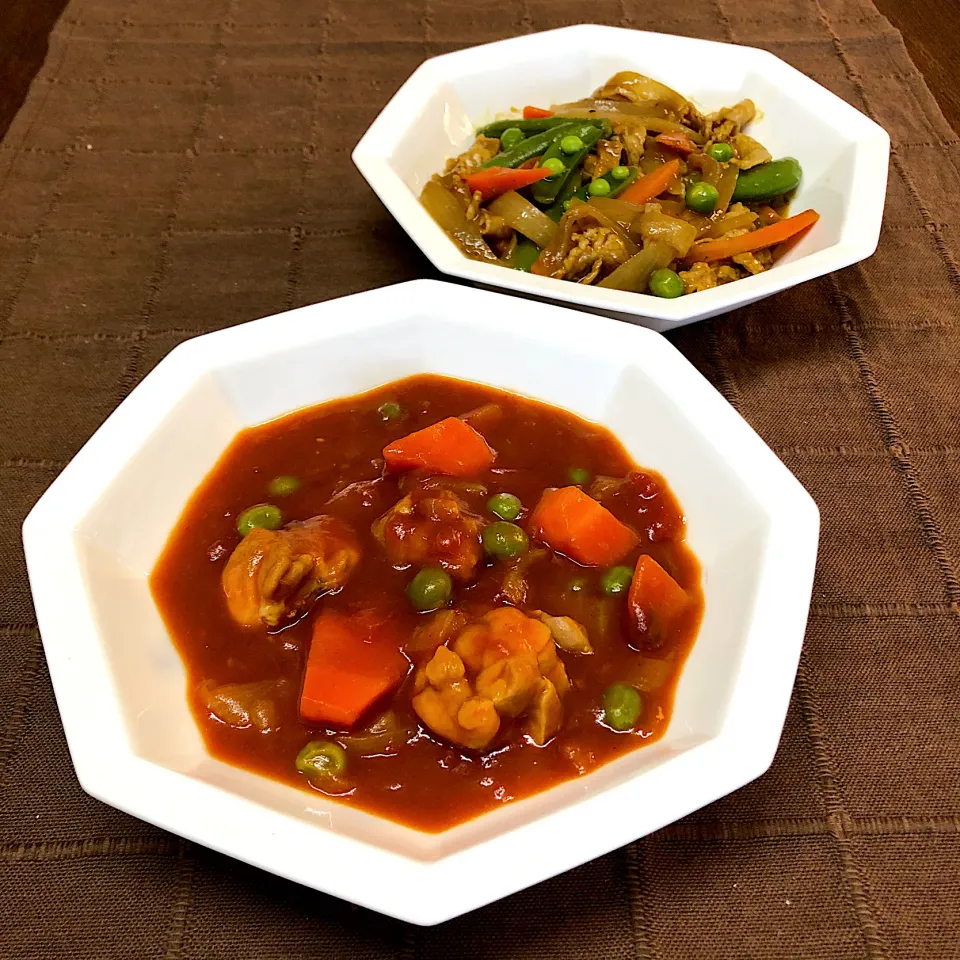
pixel 769 180
pixel 617 184
pixel 525 255
pixel 527 127
pixel 545 191
pixel 567 192
pixel 535 145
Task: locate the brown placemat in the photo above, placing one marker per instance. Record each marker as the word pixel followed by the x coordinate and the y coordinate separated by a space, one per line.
pixel 183 165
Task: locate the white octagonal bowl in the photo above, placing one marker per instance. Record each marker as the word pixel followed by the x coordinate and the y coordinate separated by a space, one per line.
pixel 96 533
pixel 434 114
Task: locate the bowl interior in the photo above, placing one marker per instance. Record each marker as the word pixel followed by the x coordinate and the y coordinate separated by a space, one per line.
pixel 254 373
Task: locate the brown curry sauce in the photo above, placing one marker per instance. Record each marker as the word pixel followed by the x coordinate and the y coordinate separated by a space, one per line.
pixel 425 784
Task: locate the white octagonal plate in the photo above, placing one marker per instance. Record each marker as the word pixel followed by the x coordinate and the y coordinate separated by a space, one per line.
pixel 434 114
pixel 96 533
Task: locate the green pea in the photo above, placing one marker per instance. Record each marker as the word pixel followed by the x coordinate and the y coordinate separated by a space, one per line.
pixel 571 144
pixel 505 506
pixel 702 197
pixel 620 173
pixel 503 539
pixel 768 180
pixel 320 759
pixel 616 580
pixel 283 486
pixel 599 188
pixel 579 476
pixel 511 137
pixel 721 152
pixel 430 589
pixel 621 706
pixel 566 205
pixel 555 165
pixel 264 515
pixel 390 410
pixel 666 283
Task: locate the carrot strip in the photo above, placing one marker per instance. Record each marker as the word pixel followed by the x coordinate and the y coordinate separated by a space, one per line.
pixel 758 240
pixel 497 180
pixel 351 664
pixel 677 141
pixel 535 113
pixel 569 521
pixel 651 185
pixel 655 601
pixel 450 447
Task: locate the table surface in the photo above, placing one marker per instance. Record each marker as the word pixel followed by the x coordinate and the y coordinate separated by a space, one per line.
pixel 165 177
pixel 930 29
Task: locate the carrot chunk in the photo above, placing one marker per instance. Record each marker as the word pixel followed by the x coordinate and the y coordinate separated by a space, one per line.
pixel 677 141
pixel 495 181
pixel 450 447
pixel 351 664
pixel 574 524
pixel 655 601
pixel 535 113
pixel 758 240
pixel 653 184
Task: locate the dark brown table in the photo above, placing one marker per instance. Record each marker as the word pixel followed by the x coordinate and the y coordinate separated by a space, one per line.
pixel 930 29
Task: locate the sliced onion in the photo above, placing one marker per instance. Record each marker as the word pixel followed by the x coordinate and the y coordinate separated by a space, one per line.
pixel 640 89
pixel 450 215
pixel 726 184
pixel 679 234
pixel 738 221
pixel 590 107
pixel 524 217
pixel 634 275
pixel 621 211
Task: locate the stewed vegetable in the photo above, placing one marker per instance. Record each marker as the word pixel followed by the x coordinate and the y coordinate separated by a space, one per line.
pixel 430 589
pixel 535 192
pixel 621 707
pixel 616 580
pixel 283 486
pixel 503 539
pixel 264 515
pixel 505 506
pixel 468 597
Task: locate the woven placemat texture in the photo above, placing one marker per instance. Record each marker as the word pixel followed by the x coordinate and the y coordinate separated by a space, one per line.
pixel 183 165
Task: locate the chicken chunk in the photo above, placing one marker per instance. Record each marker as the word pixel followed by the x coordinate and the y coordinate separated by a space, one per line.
pixel 505 665
pixel 482 150
pixel 726 123
pixel 592 249
pixel 700 276
pixel 608 157
pixel 275 575
pixel 432 525
pixel 753 262
pixel 750 153
pixel 445 702
pixel 632 136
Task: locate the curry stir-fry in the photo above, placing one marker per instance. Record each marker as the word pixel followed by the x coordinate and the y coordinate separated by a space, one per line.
pixel 630 189
pixel 430 599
